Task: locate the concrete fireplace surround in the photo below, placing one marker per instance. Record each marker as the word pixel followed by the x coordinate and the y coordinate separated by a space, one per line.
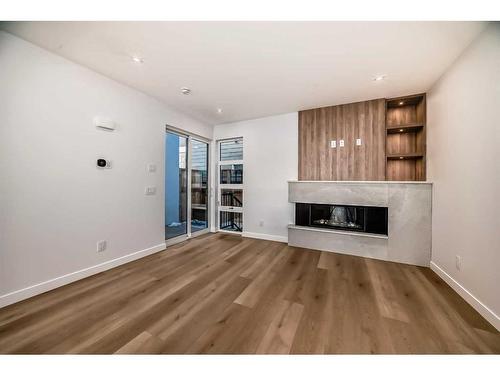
pixel 409 222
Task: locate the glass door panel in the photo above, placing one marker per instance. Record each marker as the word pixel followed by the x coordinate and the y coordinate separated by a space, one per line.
pixel 231 198
pixel 231 221
pixel 230 187
pixel 231 174
pixel 176 186
pixel 199 185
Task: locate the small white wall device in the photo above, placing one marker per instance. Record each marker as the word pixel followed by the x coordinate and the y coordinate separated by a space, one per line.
pixel 104 124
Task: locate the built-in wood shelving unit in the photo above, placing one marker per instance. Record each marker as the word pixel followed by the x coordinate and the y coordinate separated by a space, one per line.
pixel 406 138
pixel 407 156
pixel 405 128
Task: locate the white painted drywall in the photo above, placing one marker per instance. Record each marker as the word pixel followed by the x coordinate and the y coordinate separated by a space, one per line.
pixel 54 203
pixel 270 154
pixel 464 165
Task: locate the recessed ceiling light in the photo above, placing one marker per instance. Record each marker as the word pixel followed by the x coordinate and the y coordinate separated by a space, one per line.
pixel 400 130
pixel 137 59
pixel 219 110
pixel 401 102
pixel 379 78
pixel 186 91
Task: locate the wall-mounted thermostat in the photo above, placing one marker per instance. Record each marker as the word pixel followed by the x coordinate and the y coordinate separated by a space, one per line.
pixel 104 123
pixel 103 163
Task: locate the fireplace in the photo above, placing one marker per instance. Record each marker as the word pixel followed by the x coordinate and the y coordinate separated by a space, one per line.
pixel 342 217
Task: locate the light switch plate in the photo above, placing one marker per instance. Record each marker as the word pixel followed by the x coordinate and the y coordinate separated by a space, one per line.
pixel 150 190
pixel 333 144
pixel 341 143
pixel 151 167
pixel 358 141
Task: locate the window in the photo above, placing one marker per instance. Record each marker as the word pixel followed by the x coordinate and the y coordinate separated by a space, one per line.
pixel 231 150
pixel 231 174
pixel 230 186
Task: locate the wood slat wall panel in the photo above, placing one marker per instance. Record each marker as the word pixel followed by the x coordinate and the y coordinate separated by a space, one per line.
pixel 317 127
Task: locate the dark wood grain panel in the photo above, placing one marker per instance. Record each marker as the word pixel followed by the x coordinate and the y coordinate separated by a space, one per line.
pixel 317 127
pixel 401 143
pixel 401 170
pixel 401 115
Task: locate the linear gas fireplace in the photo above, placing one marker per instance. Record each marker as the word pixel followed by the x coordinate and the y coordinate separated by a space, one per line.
pixel 342 217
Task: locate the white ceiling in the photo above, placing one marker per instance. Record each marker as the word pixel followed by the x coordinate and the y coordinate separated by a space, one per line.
pixel 256 69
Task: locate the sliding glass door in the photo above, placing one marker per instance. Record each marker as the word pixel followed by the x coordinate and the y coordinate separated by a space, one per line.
pixel 199 185
pixel 176 185
pixel 186 186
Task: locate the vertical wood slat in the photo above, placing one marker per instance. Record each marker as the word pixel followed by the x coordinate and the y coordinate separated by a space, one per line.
pixel 333 135
pixel 341 151
pixel 300 132
pixel 381 139
pixel 349 125
pixel 317 127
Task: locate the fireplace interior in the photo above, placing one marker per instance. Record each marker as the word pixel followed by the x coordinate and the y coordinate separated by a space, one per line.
pixel 342 217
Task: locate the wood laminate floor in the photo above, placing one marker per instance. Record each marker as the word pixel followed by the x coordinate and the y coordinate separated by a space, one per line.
pixel 222 293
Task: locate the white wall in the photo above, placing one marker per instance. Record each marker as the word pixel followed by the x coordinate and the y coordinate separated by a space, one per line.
pixel 270 149
pixel 54 203
pixel 464 164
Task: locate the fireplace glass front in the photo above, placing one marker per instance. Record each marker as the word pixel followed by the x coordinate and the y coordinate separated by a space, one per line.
pixel 342 217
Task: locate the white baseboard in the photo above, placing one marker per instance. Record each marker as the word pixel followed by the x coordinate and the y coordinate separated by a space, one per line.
pixel 263 236
pixel 45 286
pixel 480 307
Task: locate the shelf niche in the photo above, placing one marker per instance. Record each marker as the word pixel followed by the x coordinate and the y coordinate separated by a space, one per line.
pixel 406 138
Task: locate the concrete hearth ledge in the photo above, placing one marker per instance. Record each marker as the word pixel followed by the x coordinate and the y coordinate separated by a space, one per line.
pixel 363 182
pixel 344 232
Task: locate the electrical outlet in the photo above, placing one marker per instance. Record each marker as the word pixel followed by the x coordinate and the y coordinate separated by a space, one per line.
pixel 333 144
pixel 101 246
pixel 150 190
pixel 358 141
pixel 458 262
pixel 341 143
pixel 151 168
